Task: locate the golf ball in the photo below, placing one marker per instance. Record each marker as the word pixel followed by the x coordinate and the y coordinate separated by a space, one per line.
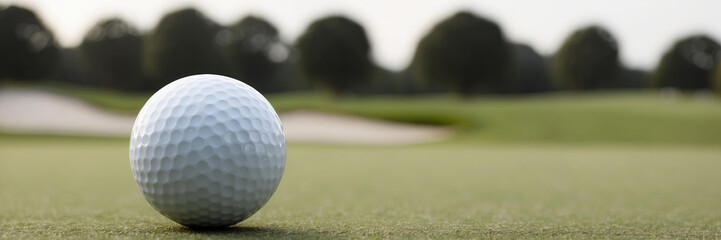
pixel 207 151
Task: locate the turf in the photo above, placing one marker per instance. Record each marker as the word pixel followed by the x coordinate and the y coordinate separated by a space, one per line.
pixel 569 118
pixel 600 165
pixel 600 117
pixel 83 188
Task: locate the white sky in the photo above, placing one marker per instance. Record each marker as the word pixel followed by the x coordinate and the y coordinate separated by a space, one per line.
pixel 644 28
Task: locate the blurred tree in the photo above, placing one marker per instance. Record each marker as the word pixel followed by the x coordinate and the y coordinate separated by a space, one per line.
pixel 28 49
pixel 465 52
pixel 716 78
pixel 111 54
pixel 70 69
pixel 289 75
pixel 334 53
pixel 588 59
pixel 688 63
pixel 632 78
pixel 255 52
pixel 529 71
pixel 380 81
pixel 183 43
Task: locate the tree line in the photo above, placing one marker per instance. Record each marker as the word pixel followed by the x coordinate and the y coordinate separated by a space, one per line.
pixel 464 53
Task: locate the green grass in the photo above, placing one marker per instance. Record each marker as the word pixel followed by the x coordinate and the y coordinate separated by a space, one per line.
pixel 596 117
pixel 602 165
pixel 615 117
pixel 83 188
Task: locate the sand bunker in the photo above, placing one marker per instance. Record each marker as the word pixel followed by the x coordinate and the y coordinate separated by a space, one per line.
pixel 41 112
pixel 319 127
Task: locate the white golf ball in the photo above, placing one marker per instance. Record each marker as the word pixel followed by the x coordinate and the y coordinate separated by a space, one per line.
pixel 207 151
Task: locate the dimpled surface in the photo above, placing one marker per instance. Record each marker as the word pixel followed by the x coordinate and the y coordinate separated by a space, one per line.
pixel 207 151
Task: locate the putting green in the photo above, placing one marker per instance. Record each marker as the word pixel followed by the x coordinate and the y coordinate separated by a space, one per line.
pixel 52 187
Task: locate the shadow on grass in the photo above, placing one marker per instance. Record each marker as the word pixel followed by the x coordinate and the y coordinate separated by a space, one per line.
pixel 244 231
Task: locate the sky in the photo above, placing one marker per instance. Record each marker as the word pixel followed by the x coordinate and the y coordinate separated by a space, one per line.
pixel 643 28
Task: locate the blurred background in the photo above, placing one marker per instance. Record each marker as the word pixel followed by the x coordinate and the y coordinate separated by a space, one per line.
pixel 405 119
pixel 115 54
pixel 365 47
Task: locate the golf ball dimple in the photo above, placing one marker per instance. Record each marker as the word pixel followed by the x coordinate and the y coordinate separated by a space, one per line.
pixel 207 151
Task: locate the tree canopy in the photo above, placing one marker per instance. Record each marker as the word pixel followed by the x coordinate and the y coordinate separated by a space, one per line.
pixel 466 52
pixel 588 59
pixel 255 52
pixel 28 48
pixel 530 71
pixel 111 53
pixel 182 44
pixel 688 64
pixel 334 53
